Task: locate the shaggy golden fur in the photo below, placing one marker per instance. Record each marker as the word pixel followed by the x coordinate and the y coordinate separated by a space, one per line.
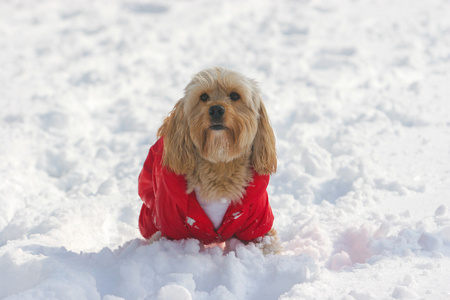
pixel 219 162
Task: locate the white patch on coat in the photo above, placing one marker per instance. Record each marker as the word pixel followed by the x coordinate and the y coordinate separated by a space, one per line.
pixel 214 209
pixel 190 221
pixel 236 215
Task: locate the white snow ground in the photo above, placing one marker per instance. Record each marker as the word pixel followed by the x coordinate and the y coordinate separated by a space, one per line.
pixel 359 97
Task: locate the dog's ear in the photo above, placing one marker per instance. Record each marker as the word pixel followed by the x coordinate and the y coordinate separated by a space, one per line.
pixel 264 153
pixel 178 147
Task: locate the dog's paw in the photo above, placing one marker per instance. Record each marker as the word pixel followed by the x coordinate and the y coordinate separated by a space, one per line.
pixel 155 237
pixel 231 245
pixel 270 243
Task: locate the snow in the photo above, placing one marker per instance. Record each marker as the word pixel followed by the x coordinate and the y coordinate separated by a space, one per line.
pixel 358 94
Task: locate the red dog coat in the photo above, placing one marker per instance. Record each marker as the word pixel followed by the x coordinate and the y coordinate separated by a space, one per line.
pixel 177 215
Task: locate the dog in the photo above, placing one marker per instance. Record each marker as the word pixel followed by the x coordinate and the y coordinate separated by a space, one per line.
pixel 207 174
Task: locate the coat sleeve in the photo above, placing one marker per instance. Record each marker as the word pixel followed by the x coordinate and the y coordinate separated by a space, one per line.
pixel 146 190
pixel 259 222
pixel 260 217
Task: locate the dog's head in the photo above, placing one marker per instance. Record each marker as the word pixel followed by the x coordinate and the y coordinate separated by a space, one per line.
pixel 220 118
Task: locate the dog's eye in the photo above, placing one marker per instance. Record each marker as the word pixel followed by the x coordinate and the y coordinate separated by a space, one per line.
pixel 204 97
pixel 234 96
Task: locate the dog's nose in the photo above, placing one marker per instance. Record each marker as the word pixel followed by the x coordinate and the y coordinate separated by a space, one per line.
pixel 216 112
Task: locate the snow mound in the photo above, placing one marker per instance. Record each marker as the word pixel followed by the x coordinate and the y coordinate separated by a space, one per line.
pixel 162 270
pixel 358 95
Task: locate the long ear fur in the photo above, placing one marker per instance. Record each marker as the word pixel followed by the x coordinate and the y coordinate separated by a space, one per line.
pixel 264 153
pixel 178 147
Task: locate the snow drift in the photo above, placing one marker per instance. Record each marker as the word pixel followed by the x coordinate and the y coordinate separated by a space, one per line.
pixel 358 95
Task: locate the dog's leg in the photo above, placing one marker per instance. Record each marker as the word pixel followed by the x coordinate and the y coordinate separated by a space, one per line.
pixel 155 237
pixel 270 243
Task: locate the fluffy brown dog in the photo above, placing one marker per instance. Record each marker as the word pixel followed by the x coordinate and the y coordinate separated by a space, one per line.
pixel 219 138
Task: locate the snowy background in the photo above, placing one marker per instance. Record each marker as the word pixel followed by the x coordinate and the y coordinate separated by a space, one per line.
pixel 359 97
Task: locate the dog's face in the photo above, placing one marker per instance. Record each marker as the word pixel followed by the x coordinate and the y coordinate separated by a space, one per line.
pixel 220 118
pixel 221 107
